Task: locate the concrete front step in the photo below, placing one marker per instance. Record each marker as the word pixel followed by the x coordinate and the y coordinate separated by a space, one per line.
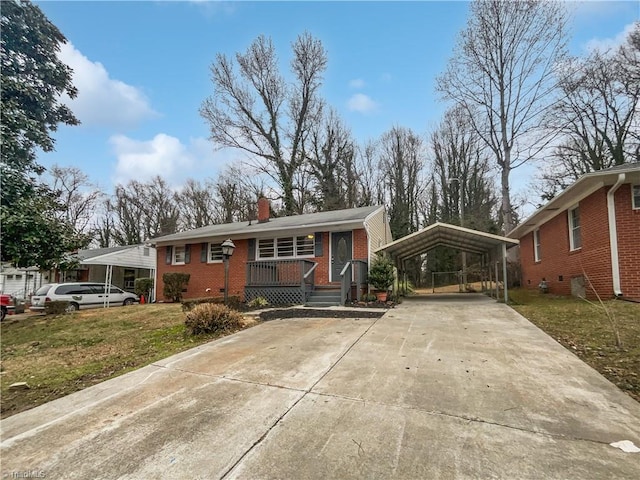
pixel 324 298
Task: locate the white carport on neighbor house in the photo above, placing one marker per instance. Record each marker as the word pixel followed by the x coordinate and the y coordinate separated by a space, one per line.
pixel 138 257
pixel 492 248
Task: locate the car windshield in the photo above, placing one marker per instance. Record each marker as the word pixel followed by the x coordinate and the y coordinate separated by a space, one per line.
pixel 43 290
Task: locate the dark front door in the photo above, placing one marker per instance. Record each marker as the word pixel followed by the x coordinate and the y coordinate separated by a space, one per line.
pixel 341 253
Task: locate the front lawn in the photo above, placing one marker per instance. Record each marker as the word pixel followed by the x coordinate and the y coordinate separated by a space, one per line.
pixel 59 355
pixel 585 330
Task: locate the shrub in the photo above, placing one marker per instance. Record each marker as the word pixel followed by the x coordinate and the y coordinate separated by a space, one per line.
pixel 212 318
pixel 174 284
pixel 369 297
pixel 381 274
pixel 56 307
pixel 258 302
pixel 234 302
pixel 143 286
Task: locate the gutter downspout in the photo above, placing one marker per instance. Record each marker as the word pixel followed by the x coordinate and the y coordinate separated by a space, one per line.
pixel 613 235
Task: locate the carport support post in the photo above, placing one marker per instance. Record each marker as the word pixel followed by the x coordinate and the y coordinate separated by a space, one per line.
pixel 504 272
pixel 497 287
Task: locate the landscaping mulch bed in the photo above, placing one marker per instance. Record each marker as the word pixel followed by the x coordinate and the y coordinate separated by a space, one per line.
pixel 317 313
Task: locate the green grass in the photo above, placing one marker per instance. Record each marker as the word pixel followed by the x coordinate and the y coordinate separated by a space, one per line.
pixel 62 354
pixel 585 329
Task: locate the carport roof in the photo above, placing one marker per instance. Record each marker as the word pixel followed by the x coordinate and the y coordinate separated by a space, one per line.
pixel 444 234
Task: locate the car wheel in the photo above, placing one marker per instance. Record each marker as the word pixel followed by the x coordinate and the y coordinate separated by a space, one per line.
pixel 72 307
pixel 128 301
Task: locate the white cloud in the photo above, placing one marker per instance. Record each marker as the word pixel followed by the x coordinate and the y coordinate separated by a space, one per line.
pixel 102 100
pixel 609 44
pixel 356 83
pixel 361 103
pixel 168 157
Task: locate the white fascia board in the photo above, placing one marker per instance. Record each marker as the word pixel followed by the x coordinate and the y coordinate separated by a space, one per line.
pixel 266 232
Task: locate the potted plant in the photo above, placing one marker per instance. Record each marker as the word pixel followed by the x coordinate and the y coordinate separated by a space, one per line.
pixel 381 276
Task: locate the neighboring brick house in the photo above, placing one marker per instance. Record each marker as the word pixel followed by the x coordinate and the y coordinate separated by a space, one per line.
pixel 286 260
pixel 587 238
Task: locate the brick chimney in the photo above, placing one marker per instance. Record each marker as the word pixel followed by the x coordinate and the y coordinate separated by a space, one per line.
pixel 263 210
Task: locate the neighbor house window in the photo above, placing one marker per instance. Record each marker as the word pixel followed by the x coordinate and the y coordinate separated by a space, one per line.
pixel 286 247
pixel 536 245
pixel 178 255
pixel 215 252
pixel 575 239
pixel 636 196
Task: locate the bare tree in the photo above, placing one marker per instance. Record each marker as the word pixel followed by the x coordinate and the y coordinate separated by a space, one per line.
pixel 259 113
pixel 369 185
pixel 78 197
pixel 597 114
pixel 401 166
pixel 140 211
pixel 235 197
pixel 502 73
pixel 331 162
pixel 196 204
pixel 458 154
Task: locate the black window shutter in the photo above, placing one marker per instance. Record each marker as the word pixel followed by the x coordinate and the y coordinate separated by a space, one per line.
pixel 204 247
pixel 318 239
pixel 169 255
pixel 187 253
pixel 252 250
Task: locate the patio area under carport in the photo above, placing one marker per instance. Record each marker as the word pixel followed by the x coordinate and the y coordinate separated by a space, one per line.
pixel 491 248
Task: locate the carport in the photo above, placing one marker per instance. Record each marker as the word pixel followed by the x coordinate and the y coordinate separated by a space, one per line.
pixel 491 248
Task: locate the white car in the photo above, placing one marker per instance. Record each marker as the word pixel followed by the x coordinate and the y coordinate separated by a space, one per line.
pixel 80 295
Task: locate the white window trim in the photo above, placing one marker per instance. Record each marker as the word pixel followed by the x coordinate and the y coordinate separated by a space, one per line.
pixel 536 245
pixel 173 254
pixel 275 249
pixel 209 253
pixel 634 206
pixel 572 247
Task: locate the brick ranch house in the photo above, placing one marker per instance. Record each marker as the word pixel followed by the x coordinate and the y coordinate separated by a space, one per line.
pixel 311 258
pixel 586 238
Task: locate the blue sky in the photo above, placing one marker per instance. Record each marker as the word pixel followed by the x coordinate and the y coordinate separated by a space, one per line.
pixel 142 70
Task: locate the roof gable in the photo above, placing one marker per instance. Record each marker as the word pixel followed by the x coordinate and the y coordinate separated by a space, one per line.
pixel 579 190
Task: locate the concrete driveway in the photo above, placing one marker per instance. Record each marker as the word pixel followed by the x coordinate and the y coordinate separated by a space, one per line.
pixel 444 387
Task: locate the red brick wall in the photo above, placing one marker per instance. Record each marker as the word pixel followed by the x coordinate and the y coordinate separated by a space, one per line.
pixel 211 275
pixel 558 265
pixel 628 226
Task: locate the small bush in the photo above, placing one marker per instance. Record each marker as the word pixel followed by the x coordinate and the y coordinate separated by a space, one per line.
pixel 381 273
pixel 369 297
pixel 174 283
pixel 258 302
pixel 143 286
pixel 234 302
pixel 56 307
pixel 212 318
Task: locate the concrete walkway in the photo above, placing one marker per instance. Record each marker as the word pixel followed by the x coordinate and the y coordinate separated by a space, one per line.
pixel 437 388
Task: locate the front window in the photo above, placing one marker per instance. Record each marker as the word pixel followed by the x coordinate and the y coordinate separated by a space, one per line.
pixel 536 245
pixel 286 247
pixel 215 252
pixel 575 238
pixel 305 246
pixel 178 255
pixel 636 196
pixel 266 248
